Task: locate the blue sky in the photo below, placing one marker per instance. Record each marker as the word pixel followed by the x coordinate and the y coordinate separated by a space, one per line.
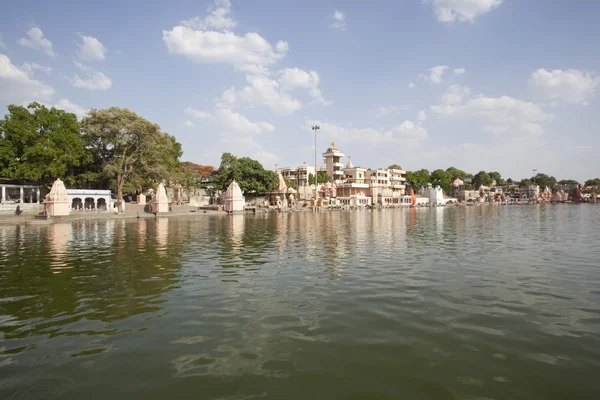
pixel 505 85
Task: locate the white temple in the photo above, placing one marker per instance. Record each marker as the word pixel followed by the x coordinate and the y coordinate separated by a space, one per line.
pixel 56 202
pixel 234 199
pixel 160 201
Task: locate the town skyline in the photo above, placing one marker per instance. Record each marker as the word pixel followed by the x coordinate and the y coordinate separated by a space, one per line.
pixel 424 84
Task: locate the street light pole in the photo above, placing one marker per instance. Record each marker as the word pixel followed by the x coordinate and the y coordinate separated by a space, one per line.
pixel 316 128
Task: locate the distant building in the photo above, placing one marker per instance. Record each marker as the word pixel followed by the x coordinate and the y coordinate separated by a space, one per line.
pixel 333 164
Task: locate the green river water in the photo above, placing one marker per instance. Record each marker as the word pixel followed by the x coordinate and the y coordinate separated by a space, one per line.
pixel 447 303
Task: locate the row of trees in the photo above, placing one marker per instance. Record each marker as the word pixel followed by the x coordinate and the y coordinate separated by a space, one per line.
pixel 112 148
pixel 444 178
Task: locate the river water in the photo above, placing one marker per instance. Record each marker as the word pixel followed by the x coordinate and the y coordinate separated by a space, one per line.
pixel 446 303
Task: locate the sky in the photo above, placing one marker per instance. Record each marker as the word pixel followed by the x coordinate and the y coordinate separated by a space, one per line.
pixel 495 85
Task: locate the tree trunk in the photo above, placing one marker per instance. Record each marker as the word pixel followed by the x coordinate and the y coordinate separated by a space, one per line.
pixel 119 193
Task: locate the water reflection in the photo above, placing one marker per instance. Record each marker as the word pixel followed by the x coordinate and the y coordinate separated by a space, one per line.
pixel 444 303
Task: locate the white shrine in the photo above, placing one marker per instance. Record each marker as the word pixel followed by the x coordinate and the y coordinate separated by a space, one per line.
pixel 56 202
pixel 160 201
pixel 233 200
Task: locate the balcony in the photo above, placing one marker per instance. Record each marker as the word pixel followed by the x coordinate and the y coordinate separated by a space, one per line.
pixel 338 164
pixel 341 173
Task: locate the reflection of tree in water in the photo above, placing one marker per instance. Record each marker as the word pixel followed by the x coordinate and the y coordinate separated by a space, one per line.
pixel 58 274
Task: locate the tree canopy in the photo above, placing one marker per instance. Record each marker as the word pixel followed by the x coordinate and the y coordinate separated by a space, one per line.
pixel 394 166
pixel 132 151
pixel 593 182
pixel 418 178
pixel 39 144
pixel 481 178
pixel 196 175
pixel 322 177
pixel 248 173
pixel 496 177
pixel 443 179
pixel 458 173
pixel 544 180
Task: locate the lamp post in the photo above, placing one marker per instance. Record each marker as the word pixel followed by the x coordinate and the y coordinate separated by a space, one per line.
pixel 316 128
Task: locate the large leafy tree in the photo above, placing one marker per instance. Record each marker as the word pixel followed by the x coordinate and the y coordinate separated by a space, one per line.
pixel 322 177
pixel 482 178
pixel 593 182
pixel 544 180
pixel 248 173
pixel 394 166
pixel 196 175
pixel 456 173
pixel 418 178
pixel 568 182
pixel 443 179
pixel 495 175
pixel 39 144
pixel 132 151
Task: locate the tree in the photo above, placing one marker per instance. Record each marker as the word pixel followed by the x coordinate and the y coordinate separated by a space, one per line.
pixel 456 173
pixel 131 150
pixel 568 182
pixel 289 183
pixel 39 144
pixel 322 177
pixel 496 177
pixel 482 178
pixel 544 180
pixel 394 166
pixel 593 182
pixel 195 175
pixel 509 181
pixel 443 179
pixel 418 178
pixel 248 173
pixel 525 182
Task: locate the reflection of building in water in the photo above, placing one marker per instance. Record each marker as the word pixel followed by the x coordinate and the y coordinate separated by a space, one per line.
pixel 59 235
pixel 162 235
pixel 141 232
pixel 236 230
pixel 439 219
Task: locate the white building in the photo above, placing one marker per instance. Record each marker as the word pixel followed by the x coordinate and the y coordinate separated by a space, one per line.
pixel 91 200
pixel 333 165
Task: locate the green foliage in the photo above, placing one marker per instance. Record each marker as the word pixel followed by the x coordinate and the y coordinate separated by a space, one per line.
pixel 482 178
pixel 394 166
pixel 593 182
pixel 509 181
pixel 568 182
pixel 458 173
pixel 39 144
pixel 443 179
pixel 544 180
pixel 195 175
pixel 322 177
pixel 289 183
pixel 130 151
pixel 418 179
pixel 525 182
pixel 496 177
pixel 248 173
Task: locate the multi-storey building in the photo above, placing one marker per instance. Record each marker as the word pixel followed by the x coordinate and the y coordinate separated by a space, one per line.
pixel 333 165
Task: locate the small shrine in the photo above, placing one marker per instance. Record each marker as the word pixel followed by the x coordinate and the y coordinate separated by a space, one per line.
pixel 56 203
pixel 284 195
pixel 160 201
pixel 233 201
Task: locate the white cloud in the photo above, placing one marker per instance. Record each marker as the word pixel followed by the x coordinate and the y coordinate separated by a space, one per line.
pixel 95 80
pixel 459 71
pixel 17 85
pixel 196 113
pixel 461 10
pixel 293 78
pixel 266 158
pixel 422 116
pixel 338 20
pixel 389 109
pixel 188 124
pixel 406 134
pixel 435 74
pixel 500 116
pixel 455 94
pixel 223 47
pixel 412 85
pixel 30 69
pixel 217 19
pixel 37 41
pixel 90 49
pixel 66 105
pixel 563 86
pixel 2 45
